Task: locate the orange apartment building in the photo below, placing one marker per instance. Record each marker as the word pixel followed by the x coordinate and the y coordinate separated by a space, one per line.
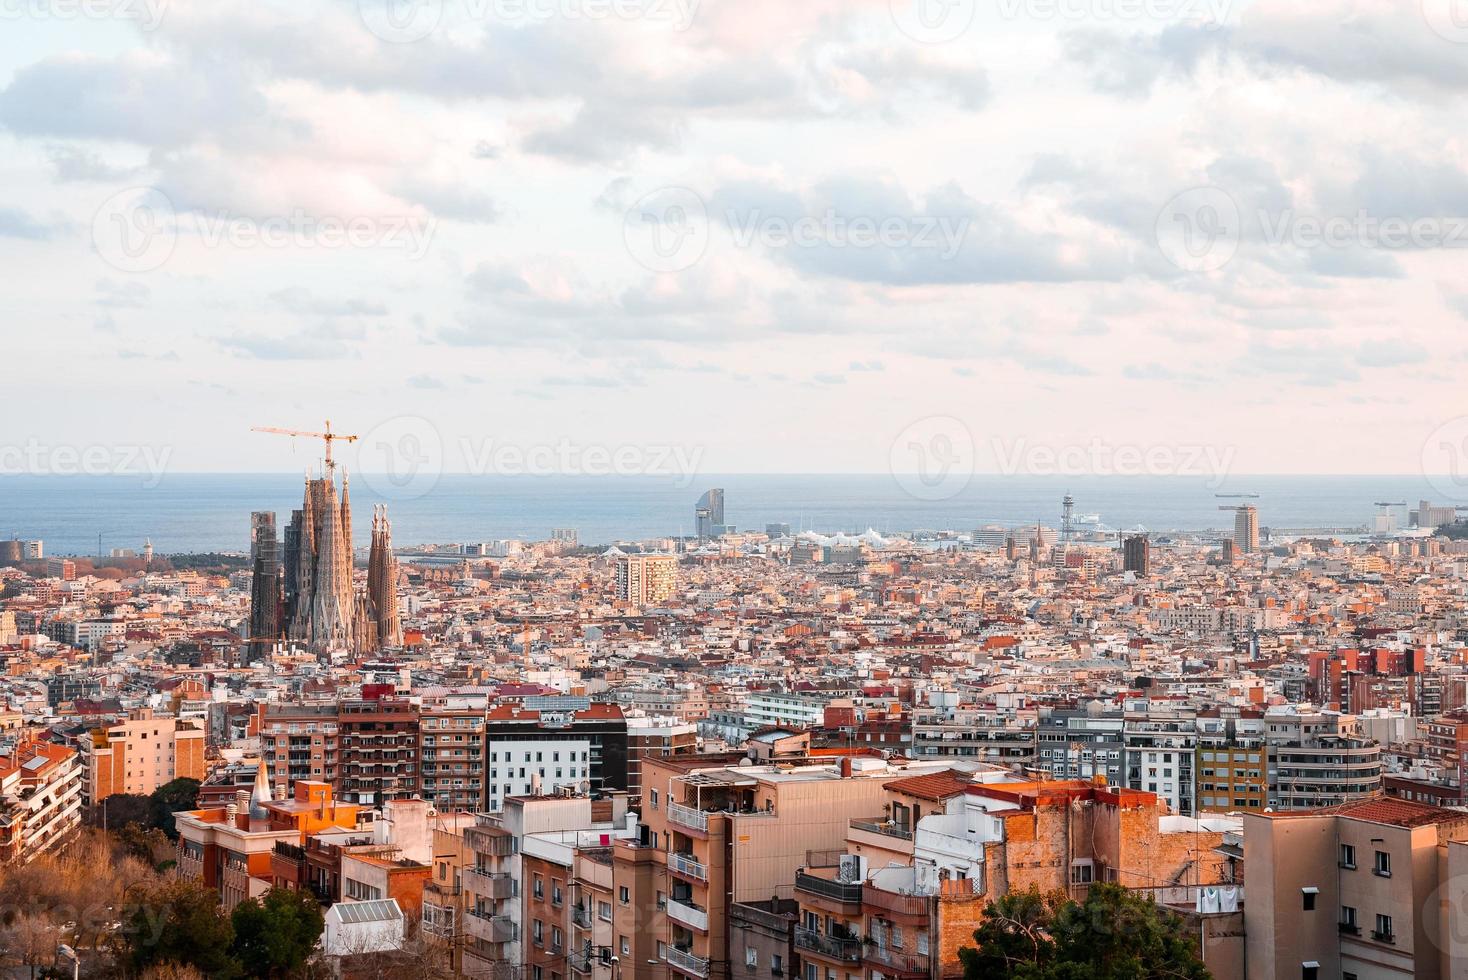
pixel 139 755
pixel 231 848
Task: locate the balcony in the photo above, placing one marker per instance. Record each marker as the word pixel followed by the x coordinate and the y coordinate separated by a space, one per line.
pixel 680 959
pixel 496 885
pixel 581 917
pixel 847 893
pixel 886 828
pixel 844 949
pixel 689 915
pixel 490 928
pixel 897 960
pixel 684 865
pixel 687 816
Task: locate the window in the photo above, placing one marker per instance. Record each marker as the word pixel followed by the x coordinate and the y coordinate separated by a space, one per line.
pixel 538 931
pixel 626 946
pixel 624 896
pixel 751 957
pixel 555 893
pixel 604 911
pixel 1309 971
pixel 776 966
pixel 652 798
pixel 1383 864
pixel 557 938
pixel 1383 931
pixel 1308 894
pixel 1348 856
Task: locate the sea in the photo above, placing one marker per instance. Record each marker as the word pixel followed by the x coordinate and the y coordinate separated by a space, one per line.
pixel 198 513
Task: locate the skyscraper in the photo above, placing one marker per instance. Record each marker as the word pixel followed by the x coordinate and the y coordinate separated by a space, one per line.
pixel 1137 555
pixel 708 514
pixel 646 580
pixel 1246 529
pixel 264 580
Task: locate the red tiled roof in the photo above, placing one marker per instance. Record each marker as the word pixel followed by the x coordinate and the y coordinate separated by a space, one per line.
pixel 1395 812
pixel 937 786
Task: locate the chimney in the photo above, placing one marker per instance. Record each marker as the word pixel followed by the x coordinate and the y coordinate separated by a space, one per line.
pixel 846 767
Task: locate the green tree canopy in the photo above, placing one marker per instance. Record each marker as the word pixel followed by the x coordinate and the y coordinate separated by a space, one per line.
pixel 179 921
pixel 275 937
pixel 173 797
pixel 1112 935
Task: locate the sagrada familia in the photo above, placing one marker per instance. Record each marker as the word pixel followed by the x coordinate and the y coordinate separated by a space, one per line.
pixel 304 591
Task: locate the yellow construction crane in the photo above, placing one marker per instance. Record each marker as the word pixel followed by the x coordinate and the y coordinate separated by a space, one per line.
pixel 328 435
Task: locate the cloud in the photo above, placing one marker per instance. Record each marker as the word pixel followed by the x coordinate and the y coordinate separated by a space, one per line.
pixel 15 223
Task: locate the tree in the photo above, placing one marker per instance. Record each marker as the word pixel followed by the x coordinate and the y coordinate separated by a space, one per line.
pixel 276 937
pixel 179 921
pixel 1112 935
pixel 173 797
pixel 121 809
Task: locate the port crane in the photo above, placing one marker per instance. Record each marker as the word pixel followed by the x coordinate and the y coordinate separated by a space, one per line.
pixel 329 437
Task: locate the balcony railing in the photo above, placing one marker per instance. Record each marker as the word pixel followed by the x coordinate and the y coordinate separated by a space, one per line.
pixel 687 816
pixel 832 947
pixel 680 959
pixel 689 914
pixel 886 829
pixel 899 960
pixel 490 928
pixel 496 885
pixel 581 916
pixel 685 865
pixel 846 893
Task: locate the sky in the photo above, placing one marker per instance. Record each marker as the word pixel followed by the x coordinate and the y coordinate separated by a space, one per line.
pixel 750 235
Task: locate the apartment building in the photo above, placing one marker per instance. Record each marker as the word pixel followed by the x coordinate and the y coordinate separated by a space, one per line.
pixel 40 799
pixel 300 742
pixel 1319 759
pixel 721 831
pixel 658 737
pixel 1160 752
pixel 1080 745
pixel 980 734
pixel 1356 890
pixel 232 848
pixel 451 758
pixel 139 755
pixel 379 750
pixel 1233 762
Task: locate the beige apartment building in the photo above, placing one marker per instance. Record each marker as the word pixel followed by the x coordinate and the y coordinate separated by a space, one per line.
pixel 720 831
pixel 1355 891
pixel 139 755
